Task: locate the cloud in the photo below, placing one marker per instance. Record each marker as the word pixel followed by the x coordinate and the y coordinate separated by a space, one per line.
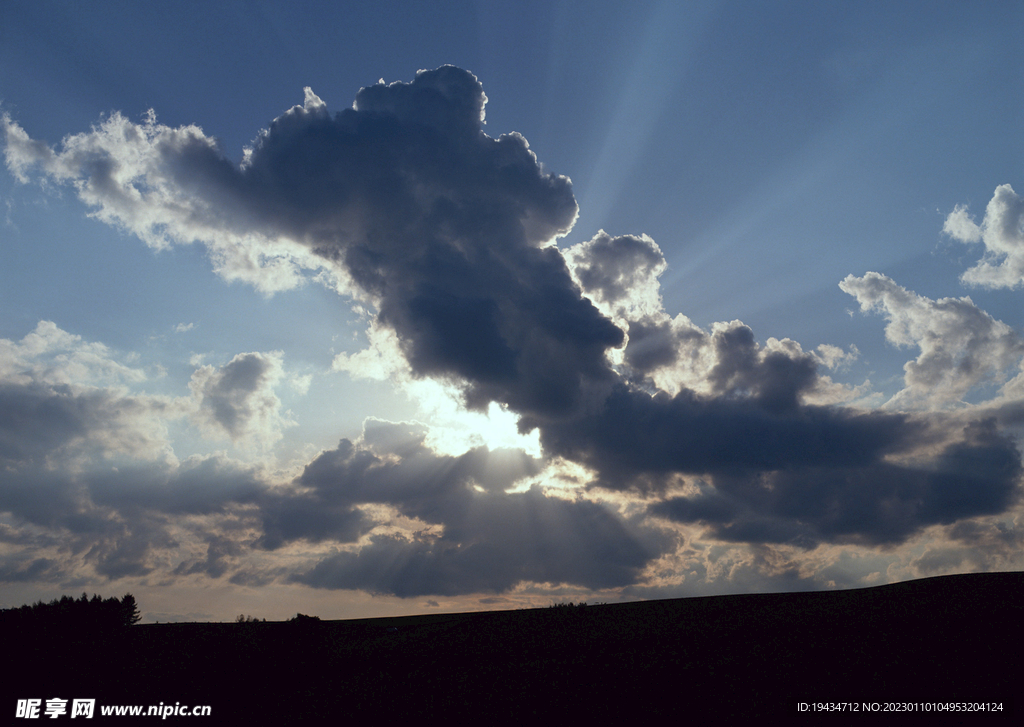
pixel 52 356
pixel 1002 234
pixel 17 570
pixel 221 553
pixel 237 400
pixel 120 521
pixel 444 228
pixel 391 465
pixel 447 239
pixel 876 503
pixel 525 537
pixel 46 423
pixel 961 346
pixel 130 520
pixel 63 397
pixel 197 516
pixel 167 186
pixel 635 435
pixel 620 274
pixel 473 534
pixel 198 485
pixel 380 360
pixel 88 461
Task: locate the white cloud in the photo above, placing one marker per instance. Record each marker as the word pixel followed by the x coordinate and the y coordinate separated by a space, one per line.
pixel 167 186
pixel 382 359
pixel 835 358
pixel 54 356
pixel 1002 233
pixel 961 346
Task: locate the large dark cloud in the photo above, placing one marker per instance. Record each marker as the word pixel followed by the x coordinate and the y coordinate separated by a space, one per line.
pixel 392 466
pixel 91 467
pixel 39 419
pixel 497 543
pixel 118 519
pixel 772 468
pixel 876 502
pixel 489 540
pixel 634 433
pixel 446 228
pixel 492 542
pixel 198 486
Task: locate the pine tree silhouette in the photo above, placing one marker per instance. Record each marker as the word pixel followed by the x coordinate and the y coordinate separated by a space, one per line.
pixel 130 610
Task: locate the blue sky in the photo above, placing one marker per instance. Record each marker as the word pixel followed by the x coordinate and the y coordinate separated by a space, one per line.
pixel 197 352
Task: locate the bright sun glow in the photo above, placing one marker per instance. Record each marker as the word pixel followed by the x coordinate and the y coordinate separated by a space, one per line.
pixel 454 429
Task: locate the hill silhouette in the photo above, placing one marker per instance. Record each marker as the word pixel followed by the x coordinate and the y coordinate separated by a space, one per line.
pixel 945 639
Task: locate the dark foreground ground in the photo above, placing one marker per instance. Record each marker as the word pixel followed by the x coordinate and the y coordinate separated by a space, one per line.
pixel 953 639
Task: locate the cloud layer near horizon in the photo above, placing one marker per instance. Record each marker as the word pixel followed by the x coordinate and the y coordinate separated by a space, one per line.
pixel 658 438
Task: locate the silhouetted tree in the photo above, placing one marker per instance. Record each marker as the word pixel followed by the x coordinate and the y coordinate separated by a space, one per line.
pixel 129 610
pixel 303 618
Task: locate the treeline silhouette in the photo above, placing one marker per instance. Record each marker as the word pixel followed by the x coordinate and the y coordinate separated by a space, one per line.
pixel 950 640
pixel 69 648
pixel 68 616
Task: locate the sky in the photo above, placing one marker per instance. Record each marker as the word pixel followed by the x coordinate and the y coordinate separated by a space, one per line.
pixel 373 309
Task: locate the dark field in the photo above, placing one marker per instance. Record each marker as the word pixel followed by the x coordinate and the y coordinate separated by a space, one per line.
pixel 947 639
